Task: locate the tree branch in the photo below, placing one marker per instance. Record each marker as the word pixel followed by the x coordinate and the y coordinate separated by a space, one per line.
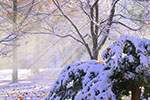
pixel 95 3
pixel 75 27
pixel 30 9
pixel 8 38
pixel 129 18
pixel 52 33
pixel 118 22
pixel 109 23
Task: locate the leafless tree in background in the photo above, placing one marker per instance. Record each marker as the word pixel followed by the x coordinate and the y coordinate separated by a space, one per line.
pixel 99 29
pixel 16 20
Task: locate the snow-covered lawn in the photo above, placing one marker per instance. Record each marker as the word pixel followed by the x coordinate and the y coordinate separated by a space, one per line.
pixel 29 87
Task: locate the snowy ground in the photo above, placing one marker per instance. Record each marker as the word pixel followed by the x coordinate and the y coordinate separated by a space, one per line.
pixel 29 87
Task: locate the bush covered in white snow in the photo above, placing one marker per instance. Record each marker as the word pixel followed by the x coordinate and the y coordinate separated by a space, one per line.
pixel 129 58
pixel 126 69
pixel 82 80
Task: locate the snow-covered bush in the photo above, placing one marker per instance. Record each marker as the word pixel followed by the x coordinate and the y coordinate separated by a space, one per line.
pixel 129 59
pixel 82 81
pixel 126 69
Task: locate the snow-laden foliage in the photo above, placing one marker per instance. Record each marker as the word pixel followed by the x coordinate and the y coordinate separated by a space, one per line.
pixel 127 65
pixel 129 59
pixel 83 81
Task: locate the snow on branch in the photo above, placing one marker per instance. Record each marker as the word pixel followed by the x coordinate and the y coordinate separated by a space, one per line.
pixel 9 37
pixel 109 23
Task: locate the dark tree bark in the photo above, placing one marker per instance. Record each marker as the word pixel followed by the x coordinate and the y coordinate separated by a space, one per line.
pixel 136 92
pixel 94 29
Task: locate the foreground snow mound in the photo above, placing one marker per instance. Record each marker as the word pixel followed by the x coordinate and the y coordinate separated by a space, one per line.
pixel 83 81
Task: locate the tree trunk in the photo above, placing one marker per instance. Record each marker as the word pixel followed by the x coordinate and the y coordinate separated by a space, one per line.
pixel 15 67
pixel 95 55
pixel 94 30
pixel 136 92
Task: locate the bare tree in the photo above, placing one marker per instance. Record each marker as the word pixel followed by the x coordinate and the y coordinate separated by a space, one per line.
pixel 15 68
pixel 16 19
pixel 99 30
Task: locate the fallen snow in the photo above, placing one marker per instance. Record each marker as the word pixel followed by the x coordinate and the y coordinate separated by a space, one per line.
pixel 29 86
